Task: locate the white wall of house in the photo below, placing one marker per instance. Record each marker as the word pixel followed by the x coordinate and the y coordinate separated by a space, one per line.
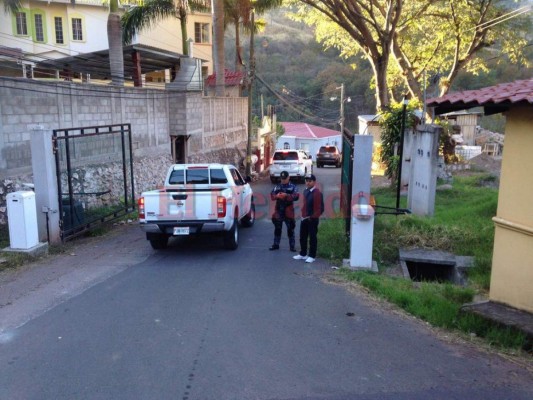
pixel 308 144
pixel 93 23
pixel 93 15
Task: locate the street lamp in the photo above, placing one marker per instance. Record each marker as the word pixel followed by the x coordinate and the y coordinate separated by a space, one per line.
pixel 348 99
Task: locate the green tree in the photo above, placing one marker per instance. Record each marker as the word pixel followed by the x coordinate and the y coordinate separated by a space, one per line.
pixel 238 13
pixel 451 36
pixel 143 16
pixel 422 37
pixel 366 26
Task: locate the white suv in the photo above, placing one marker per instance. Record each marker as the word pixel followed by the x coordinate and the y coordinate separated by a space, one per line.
pixel 296 162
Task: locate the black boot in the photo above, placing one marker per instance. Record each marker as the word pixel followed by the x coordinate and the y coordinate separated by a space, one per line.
pixel 274 247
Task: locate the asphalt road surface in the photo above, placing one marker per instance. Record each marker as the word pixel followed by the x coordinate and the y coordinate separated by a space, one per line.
pixel 114 319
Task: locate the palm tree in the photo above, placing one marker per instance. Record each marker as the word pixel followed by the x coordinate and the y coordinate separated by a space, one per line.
pixel 150 12
pixel 11 6
pixel 219 64
pixel 114 39
pixel 239 12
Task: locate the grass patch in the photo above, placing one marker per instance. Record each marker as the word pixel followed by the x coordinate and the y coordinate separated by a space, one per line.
pixel 462 225
pixel 438 304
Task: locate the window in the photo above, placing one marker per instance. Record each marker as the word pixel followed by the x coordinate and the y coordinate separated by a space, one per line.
pixel 58 25
pixel 22 23
pixel 286 145
pixel 237 178
pixel 197 176
pixel 177 177
pixel 77 31
pixel 39 29
pixel 218 176
pixel 285 156
pixel 201 33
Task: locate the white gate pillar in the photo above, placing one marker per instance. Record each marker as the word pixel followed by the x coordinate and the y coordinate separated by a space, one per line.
pixel 362 218
pixel 45 183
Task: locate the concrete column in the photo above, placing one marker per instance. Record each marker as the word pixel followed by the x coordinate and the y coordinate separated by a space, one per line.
pixel 45 181
pixel 424 167
pixel 362 220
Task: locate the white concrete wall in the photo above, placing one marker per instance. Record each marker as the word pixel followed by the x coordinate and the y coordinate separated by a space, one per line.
pixel 309 145
pixel 166 34
pixel 94 23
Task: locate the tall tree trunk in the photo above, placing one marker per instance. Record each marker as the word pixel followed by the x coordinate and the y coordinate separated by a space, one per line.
pixel 218 17
pixel 408 76
pixel 183 26
pixel 238 47
pixel 114 38
pixel 379 66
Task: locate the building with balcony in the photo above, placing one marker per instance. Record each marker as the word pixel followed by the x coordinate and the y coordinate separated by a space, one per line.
pixel 41 33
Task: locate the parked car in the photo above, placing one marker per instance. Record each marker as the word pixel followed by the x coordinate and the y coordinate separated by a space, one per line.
pixel 328 155
pixel 198 198
pixel 296 162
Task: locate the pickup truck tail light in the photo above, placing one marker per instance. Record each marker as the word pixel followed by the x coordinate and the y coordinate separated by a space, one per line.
pixel 221 206
pixel 140 204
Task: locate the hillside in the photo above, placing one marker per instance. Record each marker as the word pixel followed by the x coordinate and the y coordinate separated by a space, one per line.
pixel 291 62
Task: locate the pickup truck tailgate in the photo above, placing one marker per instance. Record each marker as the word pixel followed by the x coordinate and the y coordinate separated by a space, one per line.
pixel 185 205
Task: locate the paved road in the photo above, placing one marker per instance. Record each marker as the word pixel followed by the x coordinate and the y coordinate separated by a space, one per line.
pixel 117 320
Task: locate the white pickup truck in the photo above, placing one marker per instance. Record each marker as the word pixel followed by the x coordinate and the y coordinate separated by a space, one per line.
pixel 198 198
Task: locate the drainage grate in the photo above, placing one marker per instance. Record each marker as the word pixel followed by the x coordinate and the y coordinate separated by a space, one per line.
pixel 433 265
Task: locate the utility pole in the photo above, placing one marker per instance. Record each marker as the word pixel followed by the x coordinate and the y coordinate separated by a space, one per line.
pixel 342 109
pixel 251 76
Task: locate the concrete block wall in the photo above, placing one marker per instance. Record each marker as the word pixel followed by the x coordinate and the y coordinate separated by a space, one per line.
pixel 154 115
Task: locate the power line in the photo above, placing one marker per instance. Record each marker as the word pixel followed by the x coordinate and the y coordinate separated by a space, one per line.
pixel 293 107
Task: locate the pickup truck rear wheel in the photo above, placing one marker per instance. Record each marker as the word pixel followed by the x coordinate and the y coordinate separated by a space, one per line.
pixel 231 237
pixel 249 219
pixel 159 242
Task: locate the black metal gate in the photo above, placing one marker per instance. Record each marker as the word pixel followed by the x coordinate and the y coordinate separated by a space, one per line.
pixel 346 177
pixel 94 168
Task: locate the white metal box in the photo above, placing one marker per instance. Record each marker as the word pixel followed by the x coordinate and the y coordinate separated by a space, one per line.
pixel 22 218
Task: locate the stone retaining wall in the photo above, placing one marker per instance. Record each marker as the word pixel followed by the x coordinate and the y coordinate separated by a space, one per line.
pixel 215 127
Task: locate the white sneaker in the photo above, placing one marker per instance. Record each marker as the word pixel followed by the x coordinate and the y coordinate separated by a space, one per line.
pixel 309 259
pixel 299 257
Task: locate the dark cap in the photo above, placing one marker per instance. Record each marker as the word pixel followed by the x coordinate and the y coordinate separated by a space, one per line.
pixel 310 177
pixel 284 175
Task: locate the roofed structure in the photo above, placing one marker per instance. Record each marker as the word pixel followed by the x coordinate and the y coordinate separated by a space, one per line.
pixel 138 59
pixel 493 99
pixel 307 131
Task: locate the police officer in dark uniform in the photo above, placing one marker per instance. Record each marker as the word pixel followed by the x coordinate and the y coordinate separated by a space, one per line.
pixel 285 194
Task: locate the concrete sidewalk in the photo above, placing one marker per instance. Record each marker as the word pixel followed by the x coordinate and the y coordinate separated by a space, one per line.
pixel 504 315
pixel 33 288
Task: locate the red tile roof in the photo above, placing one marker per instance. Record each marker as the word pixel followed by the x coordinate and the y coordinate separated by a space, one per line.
pixel 306 131
pixel 231 78
pixel 496 98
